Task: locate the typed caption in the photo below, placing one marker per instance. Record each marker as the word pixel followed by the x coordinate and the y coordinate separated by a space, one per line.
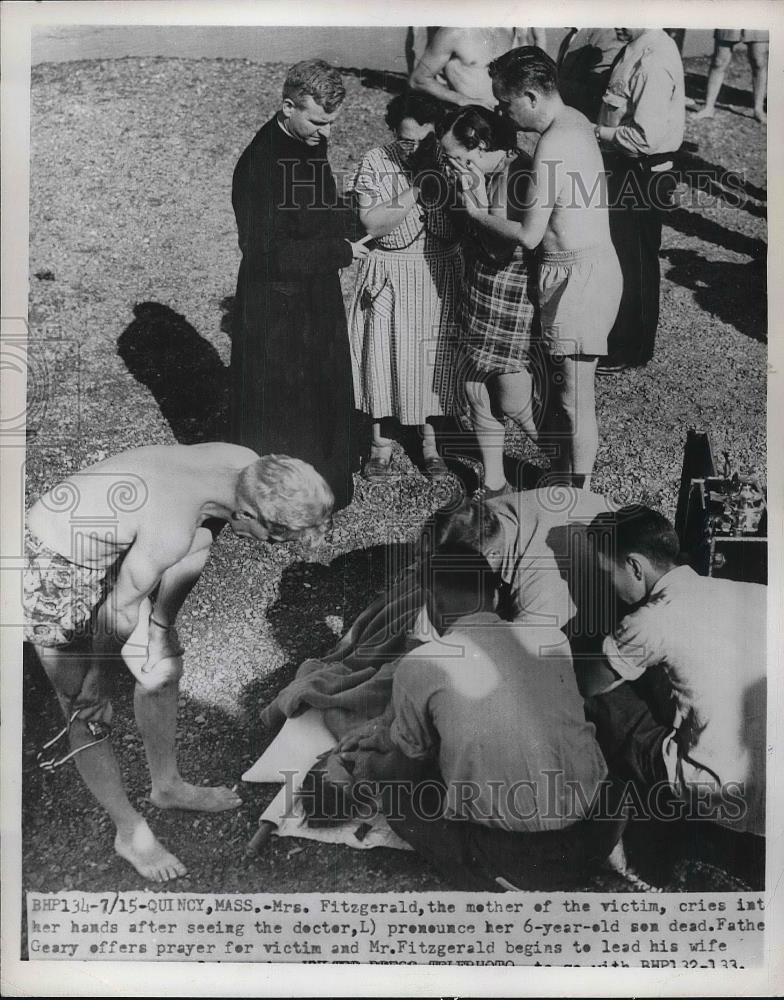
pixel 619 930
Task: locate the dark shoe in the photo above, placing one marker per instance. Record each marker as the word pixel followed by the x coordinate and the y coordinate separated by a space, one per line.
pixel 435 467
pixel 379 471
pixel 485 493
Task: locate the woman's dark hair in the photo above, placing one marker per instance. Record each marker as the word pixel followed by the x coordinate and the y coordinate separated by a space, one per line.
pixel 474 125
pixel 422 109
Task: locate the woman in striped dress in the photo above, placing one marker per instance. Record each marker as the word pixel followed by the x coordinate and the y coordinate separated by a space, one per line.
pixel 401 317
pixel 498 321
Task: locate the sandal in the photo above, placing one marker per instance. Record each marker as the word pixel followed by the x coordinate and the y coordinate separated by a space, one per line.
pixel 379 471
pixel 435 467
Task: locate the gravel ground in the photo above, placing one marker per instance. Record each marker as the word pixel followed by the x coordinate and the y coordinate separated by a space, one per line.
pixel 131 181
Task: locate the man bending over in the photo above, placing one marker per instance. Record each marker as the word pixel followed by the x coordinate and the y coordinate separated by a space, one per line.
pixel 487 734
pixel 566 216
pixel 708 637
pixel 97 548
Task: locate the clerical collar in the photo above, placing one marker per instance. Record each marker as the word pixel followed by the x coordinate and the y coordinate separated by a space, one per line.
pixel 285 130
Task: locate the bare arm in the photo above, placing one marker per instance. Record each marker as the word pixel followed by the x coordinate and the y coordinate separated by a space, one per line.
pixel 542 193
pixel 432 64
pixel 383 217
pixel 175 585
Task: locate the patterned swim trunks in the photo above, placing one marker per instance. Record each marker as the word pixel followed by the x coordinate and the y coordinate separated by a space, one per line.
pixel 59 595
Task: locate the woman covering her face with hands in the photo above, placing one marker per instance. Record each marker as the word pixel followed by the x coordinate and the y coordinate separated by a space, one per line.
pixel 498 316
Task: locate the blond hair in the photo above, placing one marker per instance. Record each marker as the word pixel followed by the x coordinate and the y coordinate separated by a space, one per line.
pixel 287 495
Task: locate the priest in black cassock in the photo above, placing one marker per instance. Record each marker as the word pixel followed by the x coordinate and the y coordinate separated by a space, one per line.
pixel 290 363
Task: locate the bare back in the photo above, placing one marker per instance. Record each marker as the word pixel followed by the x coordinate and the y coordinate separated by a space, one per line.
pixel 462 56
pixel 569 154
pixel 159 491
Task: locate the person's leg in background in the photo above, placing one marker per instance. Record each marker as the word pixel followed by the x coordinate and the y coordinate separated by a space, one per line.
pixel 722 57
pixel 758 58
pixel 625 209
pixel 570 433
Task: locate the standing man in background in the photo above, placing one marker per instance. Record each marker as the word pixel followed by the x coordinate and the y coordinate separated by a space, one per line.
pixel 585 60
pixel 290 361
pixel 454 65
pixel 640 128
pixel 725 40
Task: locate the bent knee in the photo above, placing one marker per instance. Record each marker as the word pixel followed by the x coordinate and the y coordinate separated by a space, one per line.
pixel 165 674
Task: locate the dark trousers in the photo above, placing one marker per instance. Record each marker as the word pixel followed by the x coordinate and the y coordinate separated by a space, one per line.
pixel 637 198
pixel 471 856
pixel 630 737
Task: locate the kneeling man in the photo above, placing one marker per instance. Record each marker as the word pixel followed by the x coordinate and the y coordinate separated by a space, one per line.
pixel 486 733
pixel 97 546
pixel 708 636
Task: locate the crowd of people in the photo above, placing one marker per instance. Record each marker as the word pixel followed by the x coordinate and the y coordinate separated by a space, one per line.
pixel 500 266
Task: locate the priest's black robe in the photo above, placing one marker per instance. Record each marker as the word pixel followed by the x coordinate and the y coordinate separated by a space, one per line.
pixel 290 362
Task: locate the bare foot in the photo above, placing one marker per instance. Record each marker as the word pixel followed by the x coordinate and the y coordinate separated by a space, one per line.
pixel 705 113
pixel 197 797
pixel 147 855
pixel 761 117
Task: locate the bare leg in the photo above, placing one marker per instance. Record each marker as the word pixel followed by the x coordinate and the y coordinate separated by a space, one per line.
pixel 100 772
pixel 381 447
pixel 489 434
pixel 429 449
pixel 515 394
pixel 156 716
pixel 571 428
pixel 758 57
pixel 722 57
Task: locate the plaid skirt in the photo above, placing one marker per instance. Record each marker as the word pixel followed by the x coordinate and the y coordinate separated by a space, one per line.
pixel 498 313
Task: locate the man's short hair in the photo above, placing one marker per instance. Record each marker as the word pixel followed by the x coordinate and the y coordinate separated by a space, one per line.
pixel 317 79
pixel 286 494
pixel 472 525
pixel 636 528
pixel 525 68
pixel 461 569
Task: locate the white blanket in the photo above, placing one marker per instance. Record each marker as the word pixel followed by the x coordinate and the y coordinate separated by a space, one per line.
pixel 286 761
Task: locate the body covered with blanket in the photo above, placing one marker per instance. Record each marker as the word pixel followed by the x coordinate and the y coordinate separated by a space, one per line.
pixel 541 555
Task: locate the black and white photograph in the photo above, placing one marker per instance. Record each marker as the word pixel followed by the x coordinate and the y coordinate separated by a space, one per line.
pixel 386 577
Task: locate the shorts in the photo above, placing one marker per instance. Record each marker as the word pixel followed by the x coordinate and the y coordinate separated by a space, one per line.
pixel 60 596
pixel 579 296
pixel 733 36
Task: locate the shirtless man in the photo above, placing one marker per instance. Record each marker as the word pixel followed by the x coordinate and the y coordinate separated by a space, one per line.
pixel 566 216
pixel 454 65
pixel 97 547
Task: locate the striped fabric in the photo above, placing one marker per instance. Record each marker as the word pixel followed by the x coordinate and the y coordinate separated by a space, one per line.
pixel 498 313
pixel 402 315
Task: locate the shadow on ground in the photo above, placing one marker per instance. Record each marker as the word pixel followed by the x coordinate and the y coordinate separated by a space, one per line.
pixel 734 293
pixel 183 372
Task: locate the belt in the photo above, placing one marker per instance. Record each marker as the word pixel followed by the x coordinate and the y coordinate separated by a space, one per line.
pixel 656 162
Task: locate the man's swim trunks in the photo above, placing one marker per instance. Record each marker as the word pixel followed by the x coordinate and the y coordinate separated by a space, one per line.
pixel 579 295
pixel 59 595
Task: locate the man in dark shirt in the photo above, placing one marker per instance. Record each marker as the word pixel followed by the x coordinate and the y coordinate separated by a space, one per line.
pixel 290 364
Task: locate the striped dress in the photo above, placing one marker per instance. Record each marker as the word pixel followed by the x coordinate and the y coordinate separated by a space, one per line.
pixel 402 315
